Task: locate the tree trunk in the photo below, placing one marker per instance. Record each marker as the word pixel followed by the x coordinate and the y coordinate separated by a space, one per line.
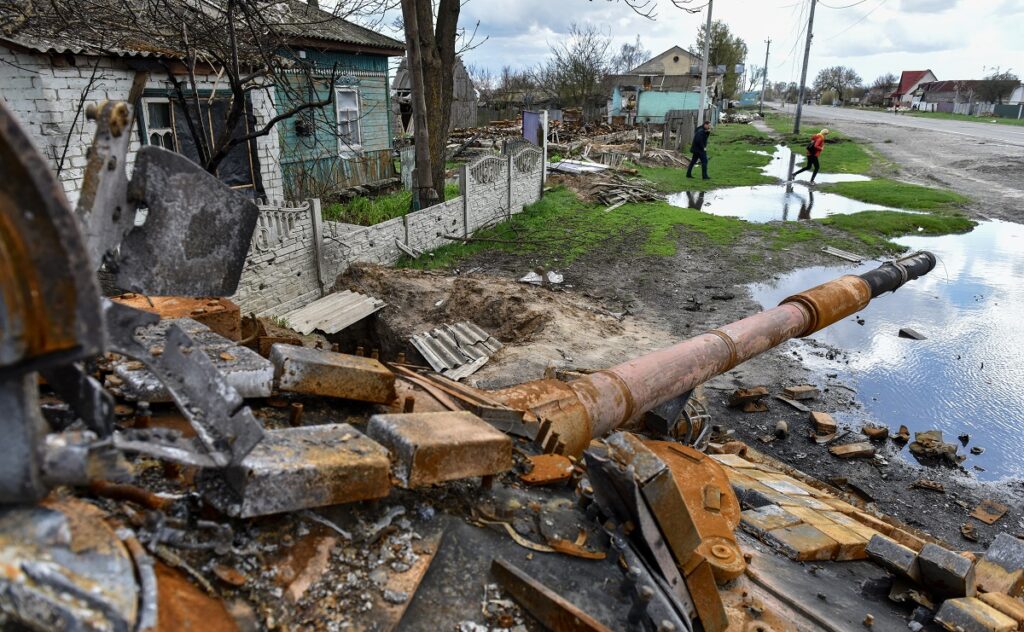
pixel 423 178
pixel 435 49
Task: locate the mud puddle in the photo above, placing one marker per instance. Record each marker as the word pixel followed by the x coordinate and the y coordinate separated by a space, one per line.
pixel 791 199
pixel 771 202
pixel 966 377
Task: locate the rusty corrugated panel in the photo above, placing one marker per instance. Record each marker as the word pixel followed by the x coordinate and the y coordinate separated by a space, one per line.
pixel 333 312
pixel 456 351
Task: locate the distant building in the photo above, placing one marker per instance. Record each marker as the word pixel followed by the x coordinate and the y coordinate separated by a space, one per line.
pixel 672 79
pixel 909 81
pixel 945 96
pixel 464 98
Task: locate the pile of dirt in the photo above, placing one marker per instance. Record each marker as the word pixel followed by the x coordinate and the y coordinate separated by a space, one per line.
pixel 539 326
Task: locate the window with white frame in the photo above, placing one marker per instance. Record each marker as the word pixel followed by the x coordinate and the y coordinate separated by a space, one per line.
pixel 159 126
pixel 346 103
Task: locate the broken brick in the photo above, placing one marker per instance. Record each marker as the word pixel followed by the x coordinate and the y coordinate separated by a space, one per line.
pixel 945 573
pixel 823 423
pixel 973 615
pixel 801 392
pixel 319 372
pixel 755 407
pixel 744 395
pixel 853 450
pixel 436 447
pixel 851 544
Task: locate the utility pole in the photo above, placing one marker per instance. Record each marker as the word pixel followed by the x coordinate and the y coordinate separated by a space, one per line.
pixel 704 68
pixel 764 77
pixel 803 73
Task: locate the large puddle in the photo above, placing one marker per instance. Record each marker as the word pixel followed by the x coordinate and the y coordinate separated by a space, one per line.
pixel 791 199
pixel 967 376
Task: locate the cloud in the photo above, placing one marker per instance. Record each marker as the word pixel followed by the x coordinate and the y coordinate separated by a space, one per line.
pixel 927 6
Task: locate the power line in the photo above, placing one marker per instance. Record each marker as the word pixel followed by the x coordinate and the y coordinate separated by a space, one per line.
pixel 843 7
pixel 863 17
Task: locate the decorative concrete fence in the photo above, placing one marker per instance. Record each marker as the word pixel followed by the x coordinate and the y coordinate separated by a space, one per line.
pixel 296 255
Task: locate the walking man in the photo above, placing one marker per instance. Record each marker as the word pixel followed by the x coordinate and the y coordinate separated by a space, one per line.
pixel 699 149
pixel 814 149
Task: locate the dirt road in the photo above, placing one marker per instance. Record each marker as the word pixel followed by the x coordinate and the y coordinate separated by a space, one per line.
pixel 983 161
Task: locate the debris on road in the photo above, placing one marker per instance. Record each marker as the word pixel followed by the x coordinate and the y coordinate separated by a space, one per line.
pixel 907 332
pixel 853 450
pixel 989 511
pixel 801 392
pixel 929 447
pixel 456 351
pixel 875 433
pixel 924 483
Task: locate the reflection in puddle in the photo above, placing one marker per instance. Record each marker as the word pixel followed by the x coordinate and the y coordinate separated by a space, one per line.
pixel 771 202
pixel 784 162
pixel 968 376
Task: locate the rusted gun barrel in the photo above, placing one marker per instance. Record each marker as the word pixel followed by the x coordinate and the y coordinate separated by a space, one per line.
pixel 578 411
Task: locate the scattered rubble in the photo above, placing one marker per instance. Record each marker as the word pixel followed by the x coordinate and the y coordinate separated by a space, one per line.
pixel 928 447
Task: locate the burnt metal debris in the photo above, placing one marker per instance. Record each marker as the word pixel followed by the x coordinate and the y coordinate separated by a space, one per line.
pixel 605 474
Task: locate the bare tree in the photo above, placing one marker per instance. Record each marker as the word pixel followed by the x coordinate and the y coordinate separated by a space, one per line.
pixel 629 57
pixel 754 77
pixel 483 80
pixel 577 67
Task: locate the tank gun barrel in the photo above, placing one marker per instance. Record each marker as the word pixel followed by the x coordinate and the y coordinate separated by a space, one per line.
pixel 596 404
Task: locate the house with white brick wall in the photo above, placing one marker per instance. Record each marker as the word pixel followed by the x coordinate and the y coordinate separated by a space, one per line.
pixel 47 79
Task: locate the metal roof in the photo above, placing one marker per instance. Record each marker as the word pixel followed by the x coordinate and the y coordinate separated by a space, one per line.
pixel 310 22
pixel 333 312
pixel 456 351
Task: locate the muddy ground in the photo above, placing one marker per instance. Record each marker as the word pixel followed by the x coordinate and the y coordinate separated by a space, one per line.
pixel 616 303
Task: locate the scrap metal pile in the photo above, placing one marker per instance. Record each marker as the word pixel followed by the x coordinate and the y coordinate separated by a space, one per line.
pixel 201 485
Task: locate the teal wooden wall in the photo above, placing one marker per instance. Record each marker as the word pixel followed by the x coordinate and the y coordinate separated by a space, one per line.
pixel 319 151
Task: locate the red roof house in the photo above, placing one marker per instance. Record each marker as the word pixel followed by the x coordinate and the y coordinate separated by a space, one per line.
pixel 909 81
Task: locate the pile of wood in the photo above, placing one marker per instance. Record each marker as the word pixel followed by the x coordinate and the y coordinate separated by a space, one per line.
pixel 614 190
pixel 657 157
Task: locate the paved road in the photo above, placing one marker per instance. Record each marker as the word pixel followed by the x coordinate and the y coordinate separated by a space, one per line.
pixel 990 132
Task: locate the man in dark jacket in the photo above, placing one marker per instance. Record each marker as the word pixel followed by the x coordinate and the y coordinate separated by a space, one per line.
pixel 699 149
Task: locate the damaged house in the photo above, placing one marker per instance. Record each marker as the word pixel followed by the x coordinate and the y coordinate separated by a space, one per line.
pixel 52 70
pixel 669 81
pixel 464 99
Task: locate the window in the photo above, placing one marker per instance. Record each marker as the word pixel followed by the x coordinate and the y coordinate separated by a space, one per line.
pixel 157 119
pixel 346 103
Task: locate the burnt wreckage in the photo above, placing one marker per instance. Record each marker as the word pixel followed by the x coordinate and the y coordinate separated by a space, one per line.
pixel 664 552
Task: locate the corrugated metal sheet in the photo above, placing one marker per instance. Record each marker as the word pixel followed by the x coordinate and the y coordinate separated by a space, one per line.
pixel 458 350
pixel 333 312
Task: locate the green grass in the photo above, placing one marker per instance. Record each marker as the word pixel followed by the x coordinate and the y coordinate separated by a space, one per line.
pixel 367 211
pixel 966 117
pixel 560 228
pixel 876 228
pixel 899 195
pixel 842 154
pixel 730 163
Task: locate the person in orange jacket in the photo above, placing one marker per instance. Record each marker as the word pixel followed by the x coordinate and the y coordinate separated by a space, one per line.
pixel 814 149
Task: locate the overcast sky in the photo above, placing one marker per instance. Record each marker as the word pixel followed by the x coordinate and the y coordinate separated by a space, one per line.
pixel 956 39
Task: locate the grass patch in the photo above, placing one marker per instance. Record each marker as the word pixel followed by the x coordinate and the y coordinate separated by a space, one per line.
pixel 730 163
pixel 899 195
pixel 876 228
pixel 366 211
pixel 965 117
pixel 842 154
pixel 560 228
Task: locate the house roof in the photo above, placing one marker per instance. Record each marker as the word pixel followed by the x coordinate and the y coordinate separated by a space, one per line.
pixel 950 85
pixel 296 20
pixel 908 79
pixel 653 67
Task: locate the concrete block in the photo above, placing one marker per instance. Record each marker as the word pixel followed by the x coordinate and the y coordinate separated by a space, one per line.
pixel 973 615
pixel 1001 569
pixel 823 423
pixel 945 573
pixel 804 501
pixel 1011 607
pixel 745 395
pixel 804 542
pixel 862 530
pixel 894 557
pixel 839 505
pixel 300 468
pixel 808 515
pixel 325 373
pixel 435 447
pixel 768 518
